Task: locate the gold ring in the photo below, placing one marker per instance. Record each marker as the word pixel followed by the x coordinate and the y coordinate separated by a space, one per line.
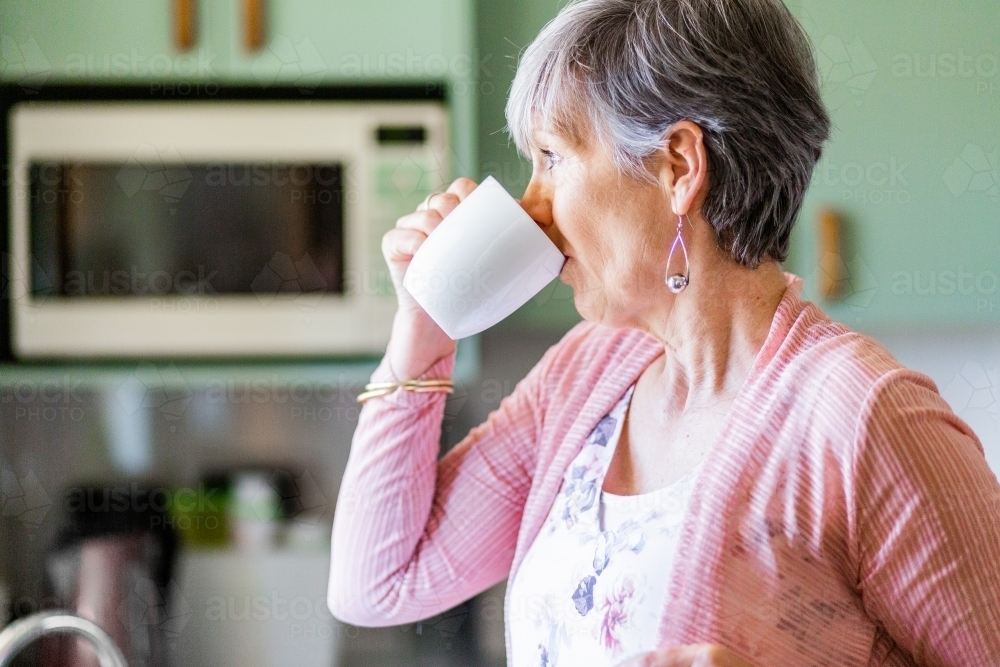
pixel 426 203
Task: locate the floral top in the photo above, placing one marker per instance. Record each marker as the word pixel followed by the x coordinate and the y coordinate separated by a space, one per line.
pixel 591 586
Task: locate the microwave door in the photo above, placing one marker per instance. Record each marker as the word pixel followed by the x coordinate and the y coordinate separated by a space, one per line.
pixel 122 231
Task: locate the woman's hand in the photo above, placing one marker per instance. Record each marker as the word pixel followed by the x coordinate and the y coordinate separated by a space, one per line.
pixel 692 655
pixel 417 341
pixel 400 243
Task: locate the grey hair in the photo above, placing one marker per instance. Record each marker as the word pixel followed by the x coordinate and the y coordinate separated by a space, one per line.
pixel 742 70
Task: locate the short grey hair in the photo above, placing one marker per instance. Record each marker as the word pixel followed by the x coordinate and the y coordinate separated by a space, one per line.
pixel 742 70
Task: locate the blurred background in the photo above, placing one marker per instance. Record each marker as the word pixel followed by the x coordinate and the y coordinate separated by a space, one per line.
pixel 172 442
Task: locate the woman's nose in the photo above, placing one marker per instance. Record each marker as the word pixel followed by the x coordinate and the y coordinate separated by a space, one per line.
pixel 537 204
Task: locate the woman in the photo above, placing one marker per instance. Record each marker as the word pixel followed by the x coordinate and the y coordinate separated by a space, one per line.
pixel 707 470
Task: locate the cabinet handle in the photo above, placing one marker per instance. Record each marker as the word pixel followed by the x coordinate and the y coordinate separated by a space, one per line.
pixel 253 24
pixel 832 272
pixel 184 11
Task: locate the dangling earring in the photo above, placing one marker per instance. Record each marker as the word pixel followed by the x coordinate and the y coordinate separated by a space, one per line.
pixel 678 281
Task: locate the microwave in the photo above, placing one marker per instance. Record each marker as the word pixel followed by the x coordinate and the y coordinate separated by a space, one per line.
pixel 216 227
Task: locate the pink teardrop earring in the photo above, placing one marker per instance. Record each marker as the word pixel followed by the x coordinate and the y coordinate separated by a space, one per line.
pixel 676 282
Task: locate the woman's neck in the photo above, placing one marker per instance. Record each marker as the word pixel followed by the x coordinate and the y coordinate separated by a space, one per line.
pixel 714 330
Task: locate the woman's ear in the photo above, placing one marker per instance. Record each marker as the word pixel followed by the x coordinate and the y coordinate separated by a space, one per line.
pixel 684 165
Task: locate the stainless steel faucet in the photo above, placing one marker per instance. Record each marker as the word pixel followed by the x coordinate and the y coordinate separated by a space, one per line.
pixel 23 631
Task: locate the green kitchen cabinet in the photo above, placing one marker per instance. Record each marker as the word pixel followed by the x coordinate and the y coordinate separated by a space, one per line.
pixel 913 89
pixel 914 92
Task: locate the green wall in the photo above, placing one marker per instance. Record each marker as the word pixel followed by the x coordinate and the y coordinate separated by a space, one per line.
pixel 913 87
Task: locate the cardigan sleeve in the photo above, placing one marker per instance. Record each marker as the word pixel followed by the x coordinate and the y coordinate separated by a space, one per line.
pixel 928 526
pixel 414 536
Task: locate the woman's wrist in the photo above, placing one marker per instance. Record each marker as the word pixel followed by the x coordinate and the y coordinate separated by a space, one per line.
pixel 417 344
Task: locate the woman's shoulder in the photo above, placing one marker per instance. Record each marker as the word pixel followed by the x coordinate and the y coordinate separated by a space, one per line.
pixel 840 371
pixel 818 362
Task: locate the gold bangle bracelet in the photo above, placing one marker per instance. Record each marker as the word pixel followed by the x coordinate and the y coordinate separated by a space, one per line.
pixel 409 383
pixel 374 389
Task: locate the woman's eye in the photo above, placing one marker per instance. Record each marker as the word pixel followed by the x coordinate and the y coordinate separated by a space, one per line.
pixel 551 158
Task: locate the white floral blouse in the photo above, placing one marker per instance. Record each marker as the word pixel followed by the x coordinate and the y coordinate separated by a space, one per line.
pixel 590 588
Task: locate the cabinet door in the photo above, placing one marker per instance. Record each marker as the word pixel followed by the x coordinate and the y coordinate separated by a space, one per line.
pixel 914 94
pixel 47 40
pixel 307 42
pixel 313 41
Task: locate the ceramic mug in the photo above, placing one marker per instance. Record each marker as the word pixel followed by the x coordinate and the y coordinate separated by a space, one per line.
pixel 485 260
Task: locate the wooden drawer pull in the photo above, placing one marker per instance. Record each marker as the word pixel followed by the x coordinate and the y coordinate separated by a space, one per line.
pixel 830 235
pixel 253 24
pixel 184 30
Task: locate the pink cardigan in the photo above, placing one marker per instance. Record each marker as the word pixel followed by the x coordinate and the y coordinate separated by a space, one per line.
pixel 844 516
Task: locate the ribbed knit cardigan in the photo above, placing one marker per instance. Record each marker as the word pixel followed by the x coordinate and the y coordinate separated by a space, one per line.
pixel 844 515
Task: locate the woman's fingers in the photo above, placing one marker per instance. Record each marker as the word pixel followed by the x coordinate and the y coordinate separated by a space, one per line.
pixel 447 200
pixel 462 187
pixel 398 245
pixel 439 205
pixel 444 203
pixel 424 221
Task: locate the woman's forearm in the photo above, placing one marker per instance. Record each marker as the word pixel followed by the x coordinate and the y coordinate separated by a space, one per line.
pixel 414 536
pixel 384 502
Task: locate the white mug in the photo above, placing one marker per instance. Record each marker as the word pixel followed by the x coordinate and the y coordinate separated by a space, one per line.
pixel 485 260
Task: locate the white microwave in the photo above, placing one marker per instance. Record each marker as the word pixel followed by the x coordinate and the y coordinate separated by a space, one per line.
pixel 211 228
